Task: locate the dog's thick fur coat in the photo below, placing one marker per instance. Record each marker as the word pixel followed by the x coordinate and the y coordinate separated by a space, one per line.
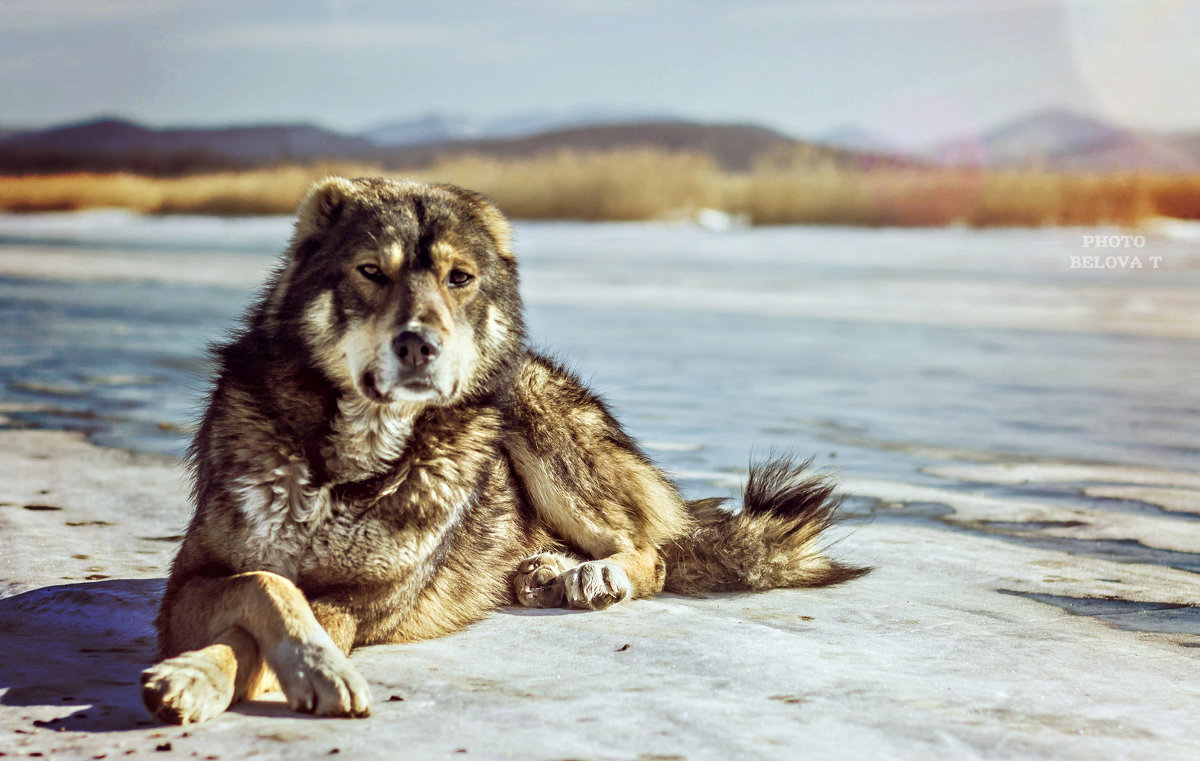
pixel 383 459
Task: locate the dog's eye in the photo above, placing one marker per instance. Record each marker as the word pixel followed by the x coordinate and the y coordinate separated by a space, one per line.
pixel 458 278
pixel 373 273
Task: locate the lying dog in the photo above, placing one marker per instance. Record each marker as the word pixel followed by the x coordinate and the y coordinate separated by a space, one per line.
pixel 383 459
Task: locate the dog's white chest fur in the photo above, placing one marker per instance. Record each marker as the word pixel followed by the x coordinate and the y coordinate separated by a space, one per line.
pixel 367 438
pixel 282 505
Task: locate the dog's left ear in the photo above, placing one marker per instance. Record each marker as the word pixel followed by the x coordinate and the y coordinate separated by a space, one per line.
pixel 500 229
pixel 493 219
pixel 322 206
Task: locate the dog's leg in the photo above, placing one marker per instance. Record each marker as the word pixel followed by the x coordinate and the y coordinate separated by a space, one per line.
pixel 593 489
pixel 616 509
pixel 604 513
pixel 228 628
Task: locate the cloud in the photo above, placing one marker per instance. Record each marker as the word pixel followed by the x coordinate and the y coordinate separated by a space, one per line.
pixel 346 36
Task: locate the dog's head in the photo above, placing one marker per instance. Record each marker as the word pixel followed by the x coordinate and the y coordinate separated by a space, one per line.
pixel 401 292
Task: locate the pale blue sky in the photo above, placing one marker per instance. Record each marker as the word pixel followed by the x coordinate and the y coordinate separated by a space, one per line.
pixel 911 70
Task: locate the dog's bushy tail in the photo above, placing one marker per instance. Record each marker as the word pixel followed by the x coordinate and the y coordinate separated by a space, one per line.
pixel 774 541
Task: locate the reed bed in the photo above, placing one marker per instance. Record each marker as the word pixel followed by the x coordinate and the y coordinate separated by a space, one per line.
pixel 646 184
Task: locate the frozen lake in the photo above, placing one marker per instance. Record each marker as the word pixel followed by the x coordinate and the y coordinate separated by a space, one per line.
pixel 864 345
pixel 1036 422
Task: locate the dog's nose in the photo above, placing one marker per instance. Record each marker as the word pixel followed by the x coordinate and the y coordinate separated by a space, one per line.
pixel 416 348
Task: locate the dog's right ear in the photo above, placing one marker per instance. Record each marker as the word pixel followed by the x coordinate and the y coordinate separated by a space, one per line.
pixel 322 206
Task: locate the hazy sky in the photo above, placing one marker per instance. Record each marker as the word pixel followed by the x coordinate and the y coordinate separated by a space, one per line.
pixel 910 70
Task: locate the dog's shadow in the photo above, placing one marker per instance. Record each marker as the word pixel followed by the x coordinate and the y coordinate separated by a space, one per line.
pixel 83 646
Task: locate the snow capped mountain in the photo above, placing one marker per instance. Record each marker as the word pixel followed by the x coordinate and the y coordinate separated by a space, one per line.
pixel 437 128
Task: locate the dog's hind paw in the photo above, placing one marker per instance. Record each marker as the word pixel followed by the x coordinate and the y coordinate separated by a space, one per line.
pixel 186 689
pixel 317 678
pixel 549 580
pixel 595 585
pixel 536 584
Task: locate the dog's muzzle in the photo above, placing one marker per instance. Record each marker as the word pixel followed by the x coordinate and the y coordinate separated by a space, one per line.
pixel 412 373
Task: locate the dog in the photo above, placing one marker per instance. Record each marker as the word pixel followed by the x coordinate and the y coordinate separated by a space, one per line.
pixel 384 459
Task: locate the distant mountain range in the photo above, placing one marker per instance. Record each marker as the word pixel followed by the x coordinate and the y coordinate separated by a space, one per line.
pixel 440 128
pixel 117 145
pixel 110 144
pixel 1049 139
pixel 853 138
pixel 1057 139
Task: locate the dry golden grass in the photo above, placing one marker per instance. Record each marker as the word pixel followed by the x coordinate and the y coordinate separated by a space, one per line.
pixel 643 184
pixel 622 185
pixel 916 197
pixel 267 191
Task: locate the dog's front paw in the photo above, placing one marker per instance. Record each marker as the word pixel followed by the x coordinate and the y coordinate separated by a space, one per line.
pixel 317 678
pixel 595 584
pixel 535 584
pixel 186 689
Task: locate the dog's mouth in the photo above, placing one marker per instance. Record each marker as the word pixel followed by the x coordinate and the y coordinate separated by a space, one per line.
pixel 417 389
